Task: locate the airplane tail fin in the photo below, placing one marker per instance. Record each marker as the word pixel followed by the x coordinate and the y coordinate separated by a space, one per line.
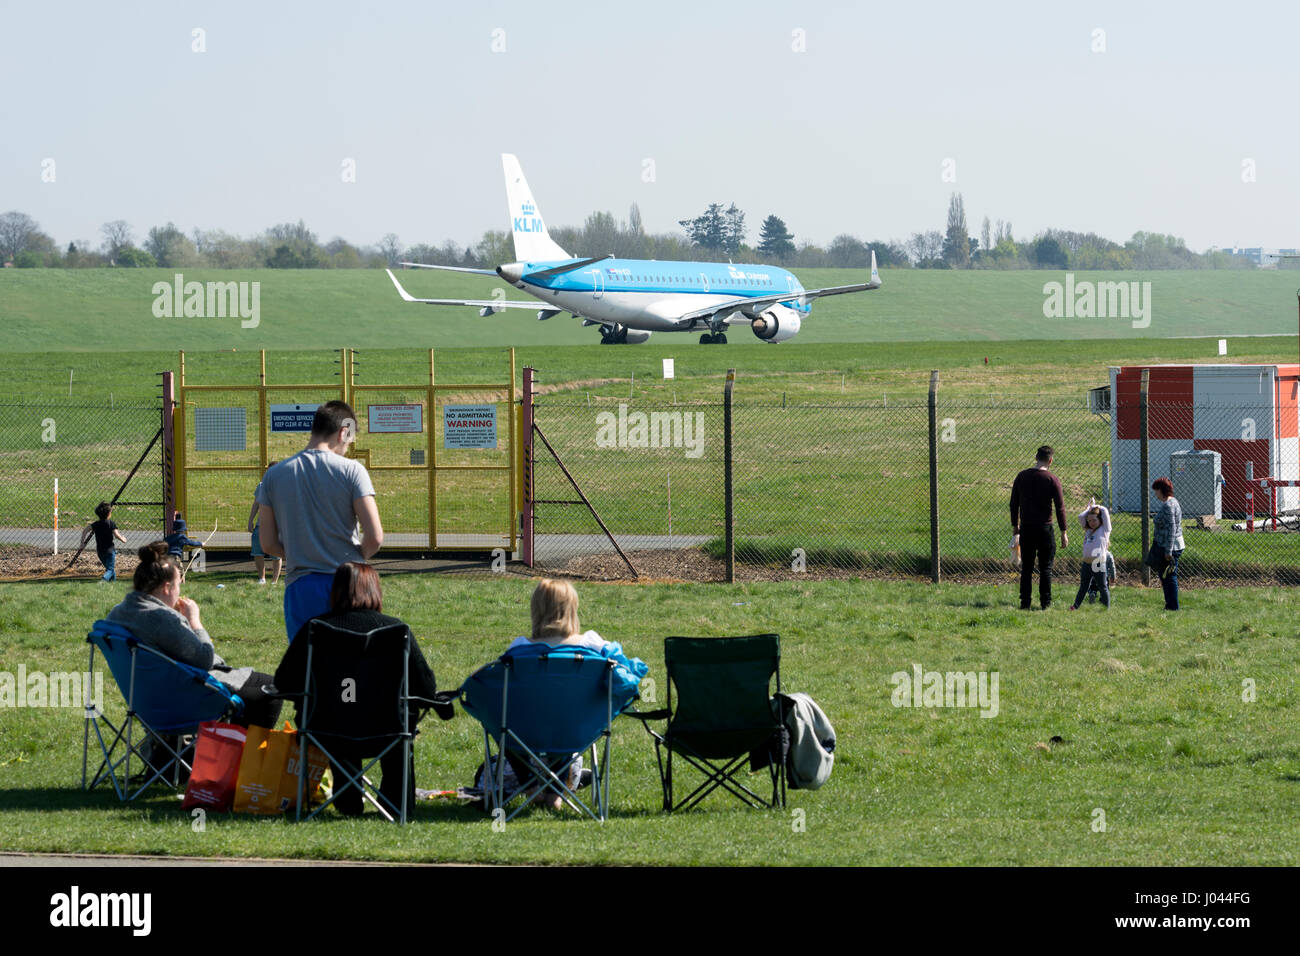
pixel 532 242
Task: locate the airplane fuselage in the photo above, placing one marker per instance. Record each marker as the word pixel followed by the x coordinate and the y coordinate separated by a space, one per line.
pixel 651 295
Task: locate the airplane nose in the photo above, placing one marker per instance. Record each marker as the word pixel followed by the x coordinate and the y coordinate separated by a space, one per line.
pixel 512 272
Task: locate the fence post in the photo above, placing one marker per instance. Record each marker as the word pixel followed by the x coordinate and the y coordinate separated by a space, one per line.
pixel 169 451
pixel 934 476
pixel 1145 471
pixel 526 430
pixel 729 515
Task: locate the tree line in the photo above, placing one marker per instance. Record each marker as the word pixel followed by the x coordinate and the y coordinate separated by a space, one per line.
pixel 718 232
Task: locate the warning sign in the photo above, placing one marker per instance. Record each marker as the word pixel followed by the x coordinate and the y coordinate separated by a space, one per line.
pixel 395 418
pixel 469 426
pixel 292 418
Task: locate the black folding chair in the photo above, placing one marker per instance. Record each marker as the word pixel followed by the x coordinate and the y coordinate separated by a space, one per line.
pixel 356 704
pixel 720 713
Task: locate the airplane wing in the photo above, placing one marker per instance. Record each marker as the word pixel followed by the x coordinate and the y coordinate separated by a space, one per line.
pixel 752 305
pixel 425 265
pixel 493 304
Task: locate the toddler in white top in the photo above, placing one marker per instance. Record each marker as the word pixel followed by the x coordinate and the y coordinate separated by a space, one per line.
pixel 1096 542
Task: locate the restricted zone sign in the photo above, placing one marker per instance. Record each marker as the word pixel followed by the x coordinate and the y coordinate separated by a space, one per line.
pixel 395 418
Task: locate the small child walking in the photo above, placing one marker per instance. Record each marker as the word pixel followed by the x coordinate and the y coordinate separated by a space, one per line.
pixel 105 532
pixel 1096 540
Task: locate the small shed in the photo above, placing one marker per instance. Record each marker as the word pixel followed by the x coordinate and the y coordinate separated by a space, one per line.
pixel 1246 413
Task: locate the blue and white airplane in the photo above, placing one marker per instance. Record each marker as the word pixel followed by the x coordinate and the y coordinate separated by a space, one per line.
pixel 631 298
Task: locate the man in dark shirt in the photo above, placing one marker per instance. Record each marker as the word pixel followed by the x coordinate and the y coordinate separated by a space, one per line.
pixel 1033 494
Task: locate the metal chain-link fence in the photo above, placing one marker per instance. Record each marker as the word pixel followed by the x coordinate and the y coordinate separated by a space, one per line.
pixel 90 450
pixel 844 489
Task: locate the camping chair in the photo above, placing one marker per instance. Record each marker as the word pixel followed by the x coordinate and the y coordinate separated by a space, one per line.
pixel 722 715
pixel 356 703
pixel 547 706
pixel 163 697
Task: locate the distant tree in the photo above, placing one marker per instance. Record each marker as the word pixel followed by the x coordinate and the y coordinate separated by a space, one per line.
pixel 390 247
pixel 292 246
pixel 129 257
pixel 341 254
pixel 775 240
pixel 716 229
pixel 848 252
pixel 494 249
pixel 17 233
pixel 734 230
pixel 986 237
pixel 634 224
pixel 956 243
pixel 810 256
pixel 170 247
pixel 600 234
pixel 890 253
pixel 1046 253
pixel 41 253
pixel 117 236
pixel 225 251
pixel 926 250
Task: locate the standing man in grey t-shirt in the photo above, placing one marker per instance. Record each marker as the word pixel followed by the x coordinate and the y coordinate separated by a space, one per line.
pixel 308 510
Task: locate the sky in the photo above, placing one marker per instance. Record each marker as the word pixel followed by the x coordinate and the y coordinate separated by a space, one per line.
pixel 367 119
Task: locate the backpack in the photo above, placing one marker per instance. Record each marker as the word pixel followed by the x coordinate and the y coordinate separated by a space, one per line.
pixel 811 756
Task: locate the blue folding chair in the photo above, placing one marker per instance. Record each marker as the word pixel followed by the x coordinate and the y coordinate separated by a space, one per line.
pixel 547 706
pixel 163 696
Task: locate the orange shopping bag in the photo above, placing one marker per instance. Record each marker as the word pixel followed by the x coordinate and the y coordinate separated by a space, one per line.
pixel 268 772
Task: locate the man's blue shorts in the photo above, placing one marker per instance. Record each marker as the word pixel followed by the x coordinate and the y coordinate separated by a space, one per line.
pixel 306 598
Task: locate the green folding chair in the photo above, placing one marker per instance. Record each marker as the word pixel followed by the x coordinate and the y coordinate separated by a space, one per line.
pixel 720 713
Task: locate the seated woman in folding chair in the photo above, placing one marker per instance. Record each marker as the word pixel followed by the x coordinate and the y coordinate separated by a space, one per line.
pixel 554 609
pixel 160 618
pixel 356 601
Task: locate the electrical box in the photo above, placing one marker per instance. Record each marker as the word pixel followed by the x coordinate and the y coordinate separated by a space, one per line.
pixel 1198 482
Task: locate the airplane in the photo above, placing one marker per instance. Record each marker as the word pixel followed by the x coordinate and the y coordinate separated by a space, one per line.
pixel 632 298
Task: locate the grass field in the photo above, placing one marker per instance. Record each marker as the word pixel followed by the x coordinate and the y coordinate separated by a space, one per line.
pixel 1153 711
pixel 1158 727
pixel 112 309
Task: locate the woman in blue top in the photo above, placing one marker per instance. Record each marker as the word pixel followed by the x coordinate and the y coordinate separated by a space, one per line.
pixel 1168 539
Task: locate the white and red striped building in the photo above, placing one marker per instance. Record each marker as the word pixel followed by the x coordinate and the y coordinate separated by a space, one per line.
pixel 1247 413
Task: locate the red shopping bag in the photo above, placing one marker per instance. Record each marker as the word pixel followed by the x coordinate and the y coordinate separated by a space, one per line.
pixel 217 753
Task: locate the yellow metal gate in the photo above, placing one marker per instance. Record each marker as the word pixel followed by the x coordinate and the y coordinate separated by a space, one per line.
pixel 442 457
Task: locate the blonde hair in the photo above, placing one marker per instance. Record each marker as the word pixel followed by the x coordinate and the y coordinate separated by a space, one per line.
pixel 555 610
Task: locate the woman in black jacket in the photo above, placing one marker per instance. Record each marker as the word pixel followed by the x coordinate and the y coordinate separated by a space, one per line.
pixel 356 603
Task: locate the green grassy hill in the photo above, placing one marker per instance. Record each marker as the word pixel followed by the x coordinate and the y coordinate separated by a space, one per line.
pixel 112 309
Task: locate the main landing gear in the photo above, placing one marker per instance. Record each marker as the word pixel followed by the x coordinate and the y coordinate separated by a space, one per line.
pixel 613 336
pixel 713 338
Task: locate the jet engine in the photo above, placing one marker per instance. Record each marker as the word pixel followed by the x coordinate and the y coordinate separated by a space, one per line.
pixel 620 334
pixel 776 324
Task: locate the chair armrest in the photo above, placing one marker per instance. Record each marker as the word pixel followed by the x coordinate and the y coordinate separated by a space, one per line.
pixel 643 715
pixel 270 690
pixel 442 703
